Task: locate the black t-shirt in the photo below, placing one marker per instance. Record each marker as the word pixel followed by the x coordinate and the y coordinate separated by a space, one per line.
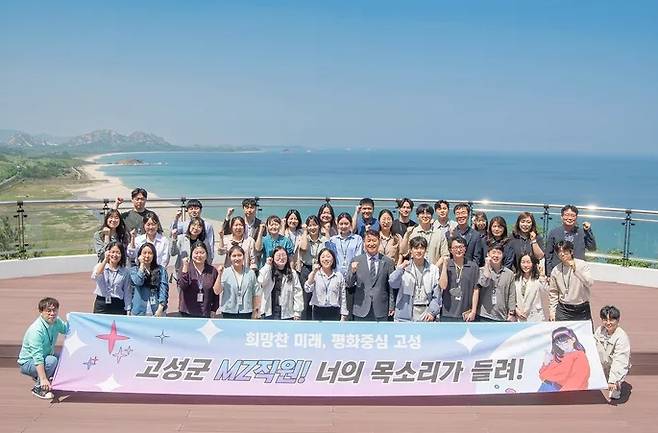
pixel 401 228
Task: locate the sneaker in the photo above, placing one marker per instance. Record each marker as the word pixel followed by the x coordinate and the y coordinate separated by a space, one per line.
pixel 45 395
pixel 615 395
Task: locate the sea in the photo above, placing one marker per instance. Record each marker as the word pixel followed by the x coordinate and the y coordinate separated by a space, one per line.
pixel 587 180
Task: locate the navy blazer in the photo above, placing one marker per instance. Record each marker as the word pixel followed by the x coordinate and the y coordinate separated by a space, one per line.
pixel 367 293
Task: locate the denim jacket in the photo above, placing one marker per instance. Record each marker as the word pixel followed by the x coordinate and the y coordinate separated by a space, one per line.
pixel 405 280
pixel 142 291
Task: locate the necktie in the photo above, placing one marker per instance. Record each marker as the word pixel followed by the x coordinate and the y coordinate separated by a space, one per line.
pixel 373 270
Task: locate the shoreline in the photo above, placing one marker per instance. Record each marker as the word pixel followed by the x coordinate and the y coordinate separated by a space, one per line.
pixel 102 186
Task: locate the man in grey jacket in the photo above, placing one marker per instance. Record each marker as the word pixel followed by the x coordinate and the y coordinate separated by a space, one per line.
pixel 367 281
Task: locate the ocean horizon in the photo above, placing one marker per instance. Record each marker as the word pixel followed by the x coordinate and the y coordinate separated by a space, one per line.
pixel 559 178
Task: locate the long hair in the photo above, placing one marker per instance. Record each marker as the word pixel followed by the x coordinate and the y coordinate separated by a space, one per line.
pixel 154 268
pixel 202 235
pixel 332 223
pixel 122 250
pixel 501 222
pixel 287 270
pixel 299 219
pixel 563 333
pixel 516 231
pixel 534 272
pixel 121 228
pixel 152 216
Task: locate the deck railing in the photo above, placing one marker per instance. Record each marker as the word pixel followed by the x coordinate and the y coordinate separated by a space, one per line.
pixel 32 228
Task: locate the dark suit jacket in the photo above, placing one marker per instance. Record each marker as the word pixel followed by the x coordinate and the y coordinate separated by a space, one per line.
pixel 377 293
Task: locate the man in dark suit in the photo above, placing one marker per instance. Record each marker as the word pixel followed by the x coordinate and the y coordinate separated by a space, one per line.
pixel 372 297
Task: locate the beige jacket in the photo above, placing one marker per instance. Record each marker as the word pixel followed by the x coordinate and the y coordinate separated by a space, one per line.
pixel 614 352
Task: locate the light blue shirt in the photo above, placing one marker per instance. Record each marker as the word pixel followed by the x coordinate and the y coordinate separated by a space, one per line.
pixel 237 297
pixel 346 249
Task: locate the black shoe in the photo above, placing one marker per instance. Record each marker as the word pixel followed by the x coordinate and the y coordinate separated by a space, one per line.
pixel 42 394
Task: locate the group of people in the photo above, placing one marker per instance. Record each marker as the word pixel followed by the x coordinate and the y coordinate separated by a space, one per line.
pixel 347 267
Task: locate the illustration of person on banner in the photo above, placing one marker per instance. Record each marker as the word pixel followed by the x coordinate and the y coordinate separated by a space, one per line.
pixel 566 367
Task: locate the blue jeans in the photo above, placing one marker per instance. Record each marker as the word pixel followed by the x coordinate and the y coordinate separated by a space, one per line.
pixel 29 369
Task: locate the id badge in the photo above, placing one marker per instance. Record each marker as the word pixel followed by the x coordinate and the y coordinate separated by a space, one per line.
pixel 493 299
pixel 153 300
pixel 199 297
pixel 108 299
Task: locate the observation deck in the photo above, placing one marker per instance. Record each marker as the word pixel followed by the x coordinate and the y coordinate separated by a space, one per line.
pixel 23 282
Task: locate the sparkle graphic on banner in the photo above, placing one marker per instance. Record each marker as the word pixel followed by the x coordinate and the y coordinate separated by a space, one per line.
pixel 73 343
pixel 109 384
pixel 112 337
pixel 209 330
pixel 122 353
pixel 162 336
pixel 92 361
pixel 468 340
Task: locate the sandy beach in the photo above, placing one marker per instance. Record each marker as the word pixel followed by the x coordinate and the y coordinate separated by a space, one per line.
pixel 100 186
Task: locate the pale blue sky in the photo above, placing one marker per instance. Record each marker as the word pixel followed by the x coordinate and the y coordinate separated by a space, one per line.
pixel 570 75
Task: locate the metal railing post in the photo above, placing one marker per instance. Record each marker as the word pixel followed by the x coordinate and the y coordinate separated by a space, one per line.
pixel 106 206
pixel 20 230
pixel 546 217
pixel 183 200
pixel 628 223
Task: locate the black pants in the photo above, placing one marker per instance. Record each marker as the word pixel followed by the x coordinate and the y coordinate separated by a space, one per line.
pixel 116 307
pixel 326 313
pixel 573 312
pixel 236 315
pixel 450 319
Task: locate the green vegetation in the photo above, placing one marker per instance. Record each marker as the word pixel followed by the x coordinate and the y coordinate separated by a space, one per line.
pixel 36 167
pixel 630 262
pixel 49 229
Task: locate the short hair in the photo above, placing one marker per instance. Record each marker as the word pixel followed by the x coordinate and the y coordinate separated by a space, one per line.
pixel 48 302
pixel 371 232
pixel 437 205
pixel 610 311
pixel 333 256
pixel 404 200
pixel 570 207
pixel 135 192
pixel 193 202
pixel 418 241
pixel 564 246
pixel 459 240
pixel 365 201
pixel 249 202
pixel 501 222
pixel 496 246
pixel 271 218
pixel 424 208
pixel 461 205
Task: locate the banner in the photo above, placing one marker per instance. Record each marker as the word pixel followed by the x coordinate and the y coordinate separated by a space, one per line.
pixel 105 353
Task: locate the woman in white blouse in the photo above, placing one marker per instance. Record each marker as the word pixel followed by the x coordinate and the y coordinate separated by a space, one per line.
pixel 529 286
pixel 327 286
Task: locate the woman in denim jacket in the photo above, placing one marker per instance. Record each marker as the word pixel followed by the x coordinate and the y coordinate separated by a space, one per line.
pixel 149 283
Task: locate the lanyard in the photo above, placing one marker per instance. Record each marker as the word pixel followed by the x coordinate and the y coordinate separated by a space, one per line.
pixel 566 281
pixel 418 278
pixel 326 282
pixel 111 283
pixel 458 270
pixel 524 285
pixel 343 250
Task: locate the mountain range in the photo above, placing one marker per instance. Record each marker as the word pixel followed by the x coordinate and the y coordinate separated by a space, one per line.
pixel 100 141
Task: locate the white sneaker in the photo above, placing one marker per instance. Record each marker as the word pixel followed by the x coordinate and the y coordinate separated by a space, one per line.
pixel 615 395
pixel 40 393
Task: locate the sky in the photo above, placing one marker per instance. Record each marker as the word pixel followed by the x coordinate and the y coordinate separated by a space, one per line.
pixel 498 75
